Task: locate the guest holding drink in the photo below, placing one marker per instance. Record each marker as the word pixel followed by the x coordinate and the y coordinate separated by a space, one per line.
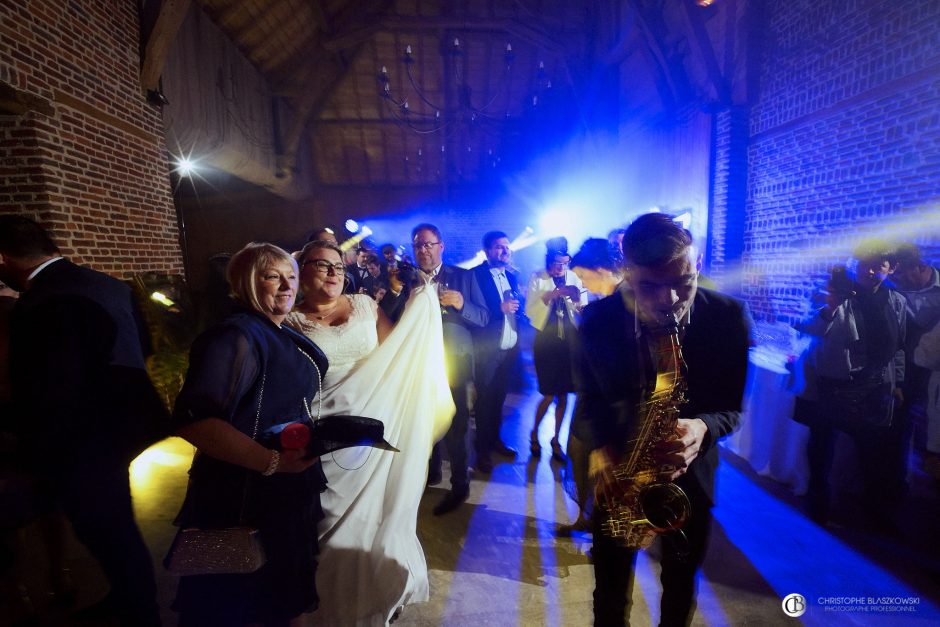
pixel 554 299
pixel 245 375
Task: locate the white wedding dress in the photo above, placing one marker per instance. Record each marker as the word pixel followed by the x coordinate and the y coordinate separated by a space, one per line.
pixel 371 561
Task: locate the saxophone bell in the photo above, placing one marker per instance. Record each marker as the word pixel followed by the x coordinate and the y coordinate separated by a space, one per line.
pixel 665 506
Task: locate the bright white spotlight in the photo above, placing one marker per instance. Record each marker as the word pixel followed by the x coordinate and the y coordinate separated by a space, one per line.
pixel 184 166
pixel 560 221
pixel 366 231
pixel 352 226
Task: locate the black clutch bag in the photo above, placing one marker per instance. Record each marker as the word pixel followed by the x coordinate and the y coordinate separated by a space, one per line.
pixel 327 434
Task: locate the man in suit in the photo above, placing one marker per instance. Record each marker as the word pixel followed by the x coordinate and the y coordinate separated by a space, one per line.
pixel 357 272
pixel 84 404
pixel 614 373
pixel 462 309
pixel 496 346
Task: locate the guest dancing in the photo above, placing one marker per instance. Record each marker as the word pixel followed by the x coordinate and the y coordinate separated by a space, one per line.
pixel 553 301
pixel 371 561
pixel 245 375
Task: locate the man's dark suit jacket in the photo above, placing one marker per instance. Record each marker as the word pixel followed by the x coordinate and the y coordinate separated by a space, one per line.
pixel 458 325
pixel 610 377
pixel 488 337
pixel 77 354
pixel 356 280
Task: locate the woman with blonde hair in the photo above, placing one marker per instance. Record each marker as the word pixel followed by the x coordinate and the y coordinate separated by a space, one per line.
pixel 247 374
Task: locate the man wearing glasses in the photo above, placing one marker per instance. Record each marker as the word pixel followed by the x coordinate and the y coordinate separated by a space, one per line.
pixel 462 309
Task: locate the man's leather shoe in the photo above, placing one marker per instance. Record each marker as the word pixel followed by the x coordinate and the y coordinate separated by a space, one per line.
pixel 484 464
pixel 451 501
pixel 505 451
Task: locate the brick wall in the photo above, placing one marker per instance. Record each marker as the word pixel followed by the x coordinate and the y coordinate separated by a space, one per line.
pixel 729 182
pixel 88 157
pixel 844 142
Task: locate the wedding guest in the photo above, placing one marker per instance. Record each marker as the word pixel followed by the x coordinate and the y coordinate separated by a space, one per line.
pixel 919 283
pixel 496 346
pixel 553 300
pixel 599 264
pixel 462 309
pixel 859 365
pixel 84 404
pixel 927 355
pixel 246 375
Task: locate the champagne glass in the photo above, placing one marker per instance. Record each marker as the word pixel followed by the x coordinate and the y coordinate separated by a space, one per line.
pixel 442 286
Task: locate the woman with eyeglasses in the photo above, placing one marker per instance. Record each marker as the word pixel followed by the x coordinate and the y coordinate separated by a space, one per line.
pixel 554 299
pixel 371 563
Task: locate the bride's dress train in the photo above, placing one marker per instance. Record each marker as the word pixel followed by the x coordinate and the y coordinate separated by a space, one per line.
pixel 370 559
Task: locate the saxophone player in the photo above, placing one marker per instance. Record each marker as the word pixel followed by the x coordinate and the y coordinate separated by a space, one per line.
pixel 614 375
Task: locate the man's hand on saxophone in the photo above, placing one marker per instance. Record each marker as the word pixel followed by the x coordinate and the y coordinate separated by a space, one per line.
pixel 600 471
pixel 678 453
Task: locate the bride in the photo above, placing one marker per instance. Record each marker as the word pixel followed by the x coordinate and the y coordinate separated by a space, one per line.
pixel 371 562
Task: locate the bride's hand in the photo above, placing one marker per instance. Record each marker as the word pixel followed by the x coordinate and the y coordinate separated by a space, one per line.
pixel 293 461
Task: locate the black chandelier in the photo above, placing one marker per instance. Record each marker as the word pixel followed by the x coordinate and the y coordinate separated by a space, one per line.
pixel 491 117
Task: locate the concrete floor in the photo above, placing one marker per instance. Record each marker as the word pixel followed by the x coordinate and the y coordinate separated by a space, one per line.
pixel 496 560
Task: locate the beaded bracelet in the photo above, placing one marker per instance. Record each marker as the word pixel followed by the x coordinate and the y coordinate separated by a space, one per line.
pixel 272 465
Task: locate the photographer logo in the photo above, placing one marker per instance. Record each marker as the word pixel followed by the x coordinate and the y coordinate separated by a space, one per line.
pixel 794 605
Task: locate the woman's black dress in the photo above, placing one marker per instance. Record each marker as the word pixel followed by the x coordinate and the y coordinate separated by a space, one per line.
pixel 243 361
pixel 551 352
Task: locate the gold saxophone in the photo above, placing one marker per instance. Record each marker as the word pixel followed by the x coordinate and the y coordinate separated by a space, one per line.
pixel 641 505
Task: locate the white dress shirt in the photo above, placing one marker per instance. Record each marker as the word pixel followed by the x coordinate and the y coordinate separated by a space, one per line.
pixel 510 336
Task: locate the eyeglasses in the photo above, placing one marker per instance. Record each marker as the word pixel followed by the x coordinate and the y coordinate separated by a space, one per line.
pixel 324 267
pixel 558 264
pixel 424 245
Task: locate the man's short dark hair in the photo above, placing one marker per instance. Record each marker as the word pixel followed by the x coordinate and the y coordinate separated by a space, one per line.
pixel 388 247
pixel 655 239
pixel 908 255
pixel 492 236
pixel 426 226
pixel 372 258
pixel 23 238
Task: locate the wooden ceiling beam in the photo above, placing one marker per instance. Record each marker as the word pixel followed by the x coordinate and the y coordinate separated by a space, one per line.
pixel 669 84
pixel 335 67
pixel 360 32
pixel 169 19
pixel 706 51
